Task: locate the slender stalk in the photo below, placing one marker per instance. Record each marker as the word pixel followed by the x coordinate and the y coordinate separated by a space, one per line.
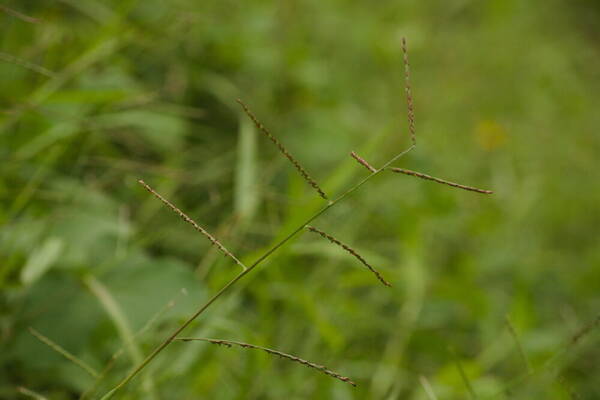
pixel 463 374
pixel 225 288
pixel 513 333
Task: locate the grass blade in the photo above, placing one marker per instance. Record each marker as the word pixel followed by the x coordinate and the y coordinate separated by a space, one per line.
pixel 518 344
pixel 246 184
pixel 463 375
pixel 30 393
pixel 75 360
pixel 19 15
pixel 115 313
pixel 170 304
pixel 26 64
pixel 427 387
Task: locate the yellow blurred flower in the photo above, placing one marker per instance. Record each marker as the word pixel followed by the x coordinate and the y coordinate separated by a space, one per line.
pixel 490 135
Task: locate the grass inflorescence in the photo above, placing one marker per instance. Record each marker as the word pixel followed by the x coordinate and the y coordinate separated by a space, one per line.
pixel 351 251
pixel 175 335
pixel 190 221
pixel 409 98
pixel 363 162
pixel 438 180
pixel 309 364
pixel 283 150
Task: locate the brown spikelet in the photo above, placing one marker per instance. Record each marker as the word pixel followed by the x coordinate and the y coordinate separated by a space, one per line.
pixel 187 219
pixel 363 162
pixel 438 180
pixel 229 343
pixel 351 251
pixel 409 99
pixel 19 15
pixel 282 149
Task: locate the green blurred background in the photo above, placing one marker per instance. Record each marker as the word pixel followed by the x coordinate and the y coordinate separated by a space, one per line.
pixel 97 94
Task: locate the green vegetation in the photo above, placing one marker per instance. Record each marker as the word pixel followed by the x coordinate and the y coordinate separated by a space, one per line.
pixel 492 296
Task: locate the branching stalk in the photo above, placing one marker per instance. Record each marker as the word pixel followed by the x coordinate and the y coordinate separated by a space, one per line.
pixel 231 283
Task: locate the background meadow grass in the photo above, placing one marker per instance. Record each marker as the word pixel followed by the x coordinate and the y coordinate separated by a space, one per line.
pixel 98 94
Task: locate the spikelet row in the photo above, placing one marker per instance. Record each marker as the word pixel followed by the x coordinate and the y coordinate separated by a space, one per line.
pixel 283 150
pixel 230 343
pixel 351 251
pixel 190 221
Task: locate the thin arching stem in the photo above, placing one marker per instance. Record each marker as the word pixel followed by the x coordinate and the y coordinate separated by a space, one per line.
pixel 232 282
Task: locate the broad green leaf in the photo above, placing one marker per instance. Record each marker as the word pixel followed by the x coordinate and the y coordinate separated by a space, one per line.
pixel 41 260
pixel 246 185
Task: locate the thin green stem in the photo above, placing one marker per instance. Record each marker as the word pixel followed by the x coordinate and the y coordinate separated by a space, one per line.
pixel 232 282
pixel 60 350
pixel 463 374
pixel 520 348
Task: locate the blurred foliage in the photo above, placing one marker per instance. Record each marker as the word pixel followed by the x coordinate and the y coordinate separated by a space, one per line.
pixel 97 94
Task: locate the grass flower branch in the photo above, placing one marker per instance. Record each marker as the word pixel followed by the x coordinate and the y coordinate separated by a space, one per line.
pixel 283 150
pixel 363 162
pixel 351 251
pixel 187 219
pixel 438 180
pixel 409 98
pixel 304 225
pixel 230 343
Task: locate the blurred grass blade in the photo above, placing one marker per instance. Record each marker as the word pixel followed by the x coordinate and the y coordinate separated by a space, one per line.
pixel 246 185
pixel 26 64
pixel 117 354
pixel 117 316
pixel 93 9
pixel 30 393
pixel 41 260
pixel 427 387
pixel 64 353
pixel 99 51
pixel 47 138
pixel 518 344
pixel 19 15
pixel 462 373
